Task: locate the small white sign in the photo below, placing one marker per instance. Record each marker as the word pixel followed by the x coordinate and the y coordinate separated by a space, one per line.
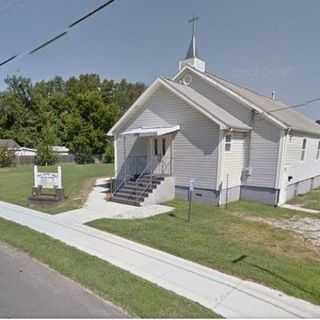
pixel 48 180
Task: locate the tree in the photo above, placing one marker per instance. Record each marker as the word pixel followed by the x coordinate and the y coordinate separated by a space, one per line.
pixel 45 155
pixel 79 111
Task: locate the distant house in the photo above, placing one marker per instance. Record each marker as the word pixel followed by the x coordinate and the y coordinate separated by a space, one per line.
pixel 61 150
pixel 9 143
pixel 25 152
pixel 226 141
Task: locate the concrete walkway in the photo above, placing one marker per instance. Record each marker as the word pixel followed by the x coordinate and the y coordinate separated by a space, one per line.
pixel 228 296
pixel 96 207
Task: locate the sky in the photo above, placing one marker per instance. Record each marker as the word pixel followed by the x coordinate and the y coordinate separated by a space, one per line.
pixel 262 45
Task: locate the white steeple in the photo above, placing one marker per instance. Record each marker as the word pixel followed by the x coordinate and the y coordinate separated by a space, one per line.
pixel 192 58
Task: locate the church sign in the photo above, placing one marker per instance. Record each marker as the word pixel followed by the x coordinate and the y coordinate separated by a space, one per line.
pixel 47 180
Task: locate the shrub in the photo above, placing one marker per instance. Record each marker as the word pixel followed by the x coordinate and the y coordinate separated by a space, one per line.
pixel 108 156
pixel 7 157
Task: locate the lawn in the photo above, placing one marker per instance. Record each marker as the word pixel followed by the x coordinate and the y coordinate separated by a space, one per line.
pixel 138 297
pixel 310 200
pixel 231 241
pixel 16 184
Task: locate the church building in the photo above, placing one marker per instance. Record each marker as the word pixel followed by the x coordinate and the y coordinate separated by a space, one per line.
pixel 226 141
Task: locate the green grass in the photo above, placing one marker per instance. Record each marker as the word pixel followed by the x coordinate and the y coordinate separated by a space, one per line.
pixel 138 297
pixel 226 240
pixel 16 184
pixel 310 200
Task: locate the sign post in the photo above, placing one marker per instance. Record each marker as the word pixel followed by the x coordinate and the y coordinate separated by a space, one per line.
pixel 190 191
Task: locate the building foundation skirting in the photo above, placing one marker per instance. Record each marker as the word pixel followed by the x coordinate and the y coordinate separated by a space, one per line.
pixel 302 187
pixel 260 194
pixel 216 197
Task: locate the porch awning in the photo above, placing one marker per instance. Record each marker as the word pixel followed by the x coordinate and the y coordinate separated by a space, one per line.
pixel 151 132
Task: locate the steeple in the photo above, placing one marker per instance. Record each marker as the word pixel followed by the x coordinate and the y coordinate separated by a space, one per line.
pixel 192 58
pixel 192 51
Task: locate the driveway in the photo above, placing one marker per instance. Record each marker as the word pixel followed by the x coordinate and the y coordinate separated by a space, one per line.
pixel 29 289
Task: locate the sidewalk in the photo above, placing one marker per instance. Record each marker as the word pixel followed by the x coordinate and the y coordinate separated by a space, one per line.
pixel 226 295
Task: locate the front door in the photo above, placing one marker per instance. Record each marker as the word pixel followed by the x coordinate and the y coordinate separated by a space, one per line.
pixel 161 155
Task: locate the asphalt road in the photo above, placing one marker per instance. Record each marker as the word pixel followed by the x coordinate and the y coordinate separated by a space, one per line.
pixel 29 289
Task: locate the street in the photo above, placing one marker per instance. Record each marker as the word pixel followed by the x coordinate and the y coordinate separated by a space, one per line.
pixel 29 289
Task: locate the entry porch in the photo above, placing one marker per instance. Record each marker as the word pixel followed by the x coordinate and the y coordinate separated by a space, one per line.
pixel 146 171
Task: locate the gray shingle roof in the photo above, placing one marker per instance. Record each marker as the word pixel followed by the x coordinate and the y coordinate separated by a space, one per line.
pixel 291 118
pixel 8 143
pixel 209 106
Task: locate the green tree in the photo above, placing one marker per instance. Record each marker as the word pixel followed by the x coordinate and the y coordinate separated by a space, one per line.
pixel 45 155
pixel 79 111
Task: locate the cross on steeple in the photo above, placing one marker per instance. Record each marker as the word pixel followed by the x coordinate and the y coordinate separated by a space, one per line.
pixel 192 51
pixel 194 21
pixel 192 59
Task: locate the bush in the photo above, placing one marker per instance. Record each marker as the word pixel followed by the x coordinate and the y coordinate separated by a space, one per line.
pixel 108 156
pixel 7 157
pixel 45 156
pixel 84 155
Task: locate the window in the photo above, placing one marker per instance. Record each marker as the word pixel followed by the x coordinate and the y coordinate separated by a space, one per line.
pixel 228 142
pixel 318 152
pixel 163 147
pixel 155 147
pixel 304 148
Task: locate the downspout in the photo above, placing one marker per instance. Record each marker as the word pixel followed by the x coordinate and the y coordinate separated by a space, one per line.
pixel 252 124
pixel 219 182
pixel 281 165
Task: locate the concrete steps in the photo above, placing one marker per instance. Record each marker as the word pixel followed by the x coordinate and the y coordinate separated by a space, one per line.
pixel 134 193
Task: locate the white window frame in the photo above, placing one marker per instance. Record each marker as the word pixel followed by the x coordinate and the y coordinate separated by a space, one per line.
pixel 228 144
pixel 303 149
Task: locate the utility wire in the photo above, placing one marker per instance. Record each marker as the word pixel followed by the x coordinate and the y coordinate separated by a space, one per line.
pixel 296 105
pixel 60 35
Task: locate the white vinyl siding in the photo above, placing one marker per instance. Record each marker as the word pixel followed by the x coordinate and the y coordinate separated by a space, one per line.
pixel 194 147
pixel 264 154
pixel 310 166
pixel 265 136
pixel 235 160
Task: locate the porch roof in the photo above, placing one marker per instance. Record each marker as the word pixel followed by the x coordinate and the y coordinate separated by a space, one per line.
pixel 151 132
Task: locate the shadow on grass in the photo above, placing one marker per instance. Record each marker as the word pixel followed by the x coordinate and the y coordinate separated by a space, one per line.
pixel 242 259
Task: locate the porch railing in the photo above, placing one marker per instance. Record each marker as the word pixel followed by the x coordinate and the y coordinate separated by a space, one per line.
pixel 133 169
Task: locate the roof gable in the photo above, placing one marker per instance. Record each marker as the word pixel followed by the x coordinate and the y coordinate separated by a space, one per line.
pixel 190 96
pixel 265 106
pixel 9 143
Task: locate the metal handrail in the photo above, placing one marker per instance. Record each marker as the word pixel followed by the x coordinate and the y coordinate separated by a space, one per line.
pixel 162 164
pixel 149 165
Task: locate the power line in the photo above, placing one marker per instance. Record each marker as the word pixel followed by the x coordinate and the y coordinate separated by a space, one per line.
pixel 60 35
pixel 296 105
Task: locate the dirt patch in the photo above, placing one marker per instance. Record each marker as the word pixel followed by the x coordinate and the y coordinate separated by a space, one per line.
pixel 307 228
